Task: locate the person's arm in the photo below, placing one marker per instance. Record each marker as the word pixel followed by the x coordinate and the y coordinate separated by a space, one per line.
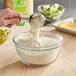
pixel 9 17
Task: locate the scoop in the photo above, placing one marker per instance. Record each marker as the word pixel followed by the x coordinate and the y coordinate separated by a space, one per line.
pixel 33 17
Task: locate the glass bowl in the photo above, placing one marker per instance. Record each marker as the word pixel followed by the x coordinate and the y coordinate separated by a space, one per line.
pixel 38 56
pixel 50 21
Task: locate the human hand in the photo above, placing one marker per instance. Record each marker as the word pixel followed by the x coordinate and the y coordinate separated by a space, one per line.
pixel 9 17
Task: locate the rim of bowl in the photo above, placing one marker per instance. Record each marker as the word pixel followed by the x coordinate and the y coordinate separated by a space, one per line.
pixel 38 48
pixel 39 6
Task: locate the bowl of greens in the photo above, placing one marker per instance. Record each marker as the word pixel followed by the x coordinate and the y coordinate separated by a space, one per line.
pixel 4 33
pixel 51 12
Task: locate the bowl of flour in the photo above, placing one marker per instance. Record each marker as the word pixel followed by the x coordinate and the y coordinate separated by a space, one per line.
pixel 42 52
pixel 37 48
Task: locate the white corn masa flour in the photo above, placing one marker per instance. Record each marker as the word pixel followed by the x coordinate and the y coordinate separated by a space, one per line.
pixel 37 57
pixel 23 6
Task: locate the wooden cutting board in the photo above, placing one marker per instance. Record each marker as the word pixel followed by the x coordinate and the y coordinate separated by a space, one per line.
pixel 65 65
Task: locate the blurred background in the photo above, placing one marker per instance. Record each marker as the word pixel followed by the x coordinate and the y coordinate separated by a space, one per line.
pixel 70 6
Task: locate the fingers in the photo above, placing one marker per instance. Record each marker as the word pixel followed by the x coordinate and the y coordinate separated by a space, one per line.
pixel 16 14
pixel 15 21
pixel 9 17
pixel 9 26
pixel 8 13
pixel 13 14
pixel 10 22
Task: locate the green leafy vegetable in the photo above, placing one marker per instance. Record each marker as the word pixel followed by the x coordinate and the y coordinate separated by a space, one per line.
pixel 51 12
pixel 3 35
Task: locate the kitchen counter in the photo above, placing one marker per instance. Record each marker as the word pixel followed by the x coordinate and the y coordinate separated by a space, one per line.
pixel 65 65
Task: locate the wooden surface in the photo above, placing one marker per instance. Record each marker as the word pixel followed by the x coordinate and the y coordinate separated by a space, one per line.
pixel 65 65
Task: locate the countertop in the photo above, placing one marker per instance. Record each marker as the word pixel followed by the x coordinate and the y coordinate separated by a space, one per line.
pixel 65 64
